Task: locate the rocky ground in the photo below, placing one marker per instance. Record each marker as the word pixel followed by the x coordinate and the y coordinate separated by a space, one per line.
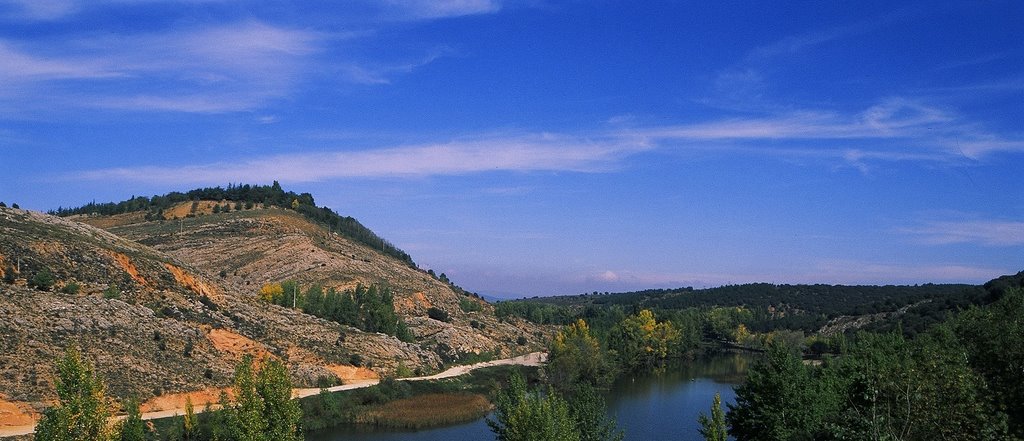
pixel 186 308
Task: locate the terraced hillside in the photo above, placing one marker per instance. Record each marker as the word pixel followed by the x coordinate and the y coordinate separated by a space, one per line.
pixel 168 307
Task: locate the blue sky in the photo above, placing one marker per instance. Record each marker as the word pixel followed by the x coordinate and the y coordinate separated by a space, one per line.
pixel 543 147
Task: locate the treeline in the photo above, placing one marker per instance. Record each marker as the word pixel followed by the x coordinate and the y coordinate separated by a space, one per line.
pixel 370 308
pixel 769 308
pixel 246 196
pixel 960 380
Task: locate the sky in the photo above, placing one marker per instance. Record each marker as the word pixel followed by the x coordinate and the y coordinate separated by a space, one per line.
pixel 534 147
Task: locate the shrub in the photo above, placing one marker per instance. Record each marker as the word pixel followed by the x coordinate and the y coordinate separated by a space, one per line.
pixel 71 287
pixel 521 341
pixel 469 305
pixel 43 280
pixel 112 292
pixel 438 314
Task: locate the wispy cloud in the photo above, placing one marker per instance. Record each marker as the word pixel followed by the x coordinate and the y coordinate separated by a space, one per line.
pixel 435 9
pixel 217 69
pixel 518 154
pixel 995 233
pixel 38 9
pixel 895 130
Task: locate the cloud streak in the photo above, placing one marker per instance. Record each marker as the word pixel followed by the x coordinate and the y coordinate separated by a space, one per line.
pixel 993 233
pixel 519 154
pixel 895 130
pixel 224 68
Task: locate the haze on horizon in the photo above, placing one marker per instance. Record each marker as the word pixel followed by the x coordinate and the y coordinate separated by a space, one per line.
pixel 541 147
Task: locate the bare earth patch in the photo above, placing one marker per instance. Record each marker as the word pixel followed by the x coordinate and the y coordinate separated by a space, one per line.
pixel 15 414
pixel 126 264
pixel 177 401
pixel 351 373
pixel 187 280
pixel 236 345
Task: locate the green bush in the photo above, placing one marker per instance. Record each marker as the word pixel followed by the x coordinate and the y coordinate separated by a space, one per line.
pixel 43 280
pixel 112 292
pixel 469 305
pixel 71 287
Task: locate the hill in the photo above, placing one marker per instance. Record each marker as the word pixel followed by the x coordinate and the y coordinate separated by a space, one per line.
pixel 765 307
pixel 166 307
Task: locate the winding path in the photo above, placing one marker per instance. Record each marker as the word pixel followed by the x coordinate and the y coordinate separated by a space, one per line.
pixel 531 359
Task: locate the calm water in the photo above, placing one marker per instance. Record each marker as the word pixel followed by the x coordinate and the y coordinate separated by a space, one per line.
pixel 650 407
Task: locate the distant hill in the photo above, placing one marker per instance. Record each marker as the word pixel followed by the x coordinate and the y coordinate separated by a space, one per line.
pixel 799 307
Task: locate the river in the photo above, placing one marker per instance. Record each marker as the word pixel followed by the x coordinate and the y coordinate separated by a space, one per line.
pixel 650 407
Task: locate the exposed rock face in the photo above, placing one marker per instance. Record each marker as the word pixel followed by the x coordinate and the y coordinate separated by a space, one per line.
pixel 187 308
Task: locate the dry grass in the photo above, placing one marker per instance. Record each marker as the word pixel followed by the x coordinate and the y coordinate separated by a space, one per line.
pixel 430 410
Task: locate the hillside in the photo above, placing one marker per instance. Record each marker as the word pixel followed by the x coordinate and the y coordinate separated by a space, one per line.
pixel 167 307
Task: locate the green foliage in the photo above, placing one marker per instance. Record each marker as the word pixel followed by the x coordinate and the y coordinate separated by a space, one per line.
pixel 42 280
pixel 587 409
pixel 263 408
pixel 189 423
pixel 539 313
pixel 112 292
pixel 779 400
pixel 9 276
pixel 132 427
pixel 370 308
pixel 919 389
pixel 884 387
pixel 713 428
pixel 641 342
pixel 796 307
pixel 247 413
pixel 280 412
pixel 992 338
pixel 71 287
pixel 470 305
pixel 576 357
pixel 82 409
pixel 521 415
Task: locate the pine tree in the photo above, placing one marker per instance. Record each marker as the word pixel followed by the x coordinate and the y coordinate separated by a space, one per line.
pixel 132 428
pixel 713 428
